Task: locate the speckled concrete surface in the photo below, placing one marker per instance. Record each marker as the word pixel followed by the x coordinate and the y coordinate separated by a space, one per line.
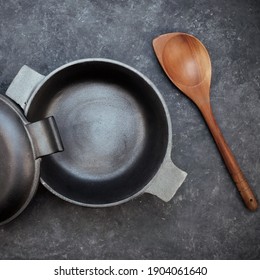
pixel 206 219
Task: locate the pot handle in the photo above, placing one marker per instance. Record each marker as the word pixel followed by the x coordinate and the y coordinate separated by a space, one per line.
pixel 23 85
pixel 45 137
pixel 167 181
pixel 44 133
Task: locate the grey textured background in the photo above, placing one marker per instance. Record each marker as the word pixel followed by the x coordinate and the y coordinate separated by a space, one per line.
pixel 206 219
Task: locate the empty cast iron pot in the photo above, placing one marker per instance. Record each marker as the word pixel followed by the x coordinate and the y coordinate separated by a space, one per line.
pixel 115 129
pixel 21 146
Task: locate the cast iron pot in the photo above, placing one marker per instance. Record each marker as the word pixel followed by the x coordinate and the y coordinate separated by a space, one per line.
pixel 22 144
pixel 115 128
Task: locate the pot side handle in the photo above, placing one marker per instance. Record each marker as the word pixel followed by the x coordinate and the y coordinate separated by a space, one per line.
pixel 45 137
pixel 23 85
pixel 167 181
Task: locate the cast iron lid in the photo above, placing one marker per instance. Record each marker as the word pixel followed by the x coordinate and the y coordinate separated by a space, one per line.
pixel 21 146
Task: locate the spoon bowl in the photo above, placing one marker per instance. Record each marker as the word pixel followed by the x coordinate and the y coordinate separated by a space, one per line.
pixel 189 63
pixel 186 62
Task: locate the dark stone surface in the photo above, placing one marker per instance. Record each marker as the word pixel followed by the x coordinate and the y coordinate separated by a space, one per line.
pixel 206 219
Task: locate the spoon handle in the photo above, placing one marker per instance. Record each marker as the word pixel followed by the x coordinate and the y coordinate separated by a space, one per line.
pixel 229 159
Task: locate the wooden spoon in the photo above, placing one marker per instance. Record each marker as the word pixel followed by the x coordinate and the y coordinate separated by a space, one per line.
pixel 187 63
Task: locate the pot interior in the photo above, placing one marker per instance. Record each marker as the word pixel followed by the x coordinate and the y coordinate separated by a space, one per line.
pixel 114 130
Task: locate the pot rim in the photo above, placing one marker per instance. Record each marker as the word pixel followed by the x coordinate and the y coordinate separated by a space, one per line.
pixel 167 155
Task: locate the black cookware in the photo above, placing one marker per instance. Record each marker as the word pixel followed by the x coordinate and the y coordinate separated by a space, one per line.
pixel 115 128
pixel 21 146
